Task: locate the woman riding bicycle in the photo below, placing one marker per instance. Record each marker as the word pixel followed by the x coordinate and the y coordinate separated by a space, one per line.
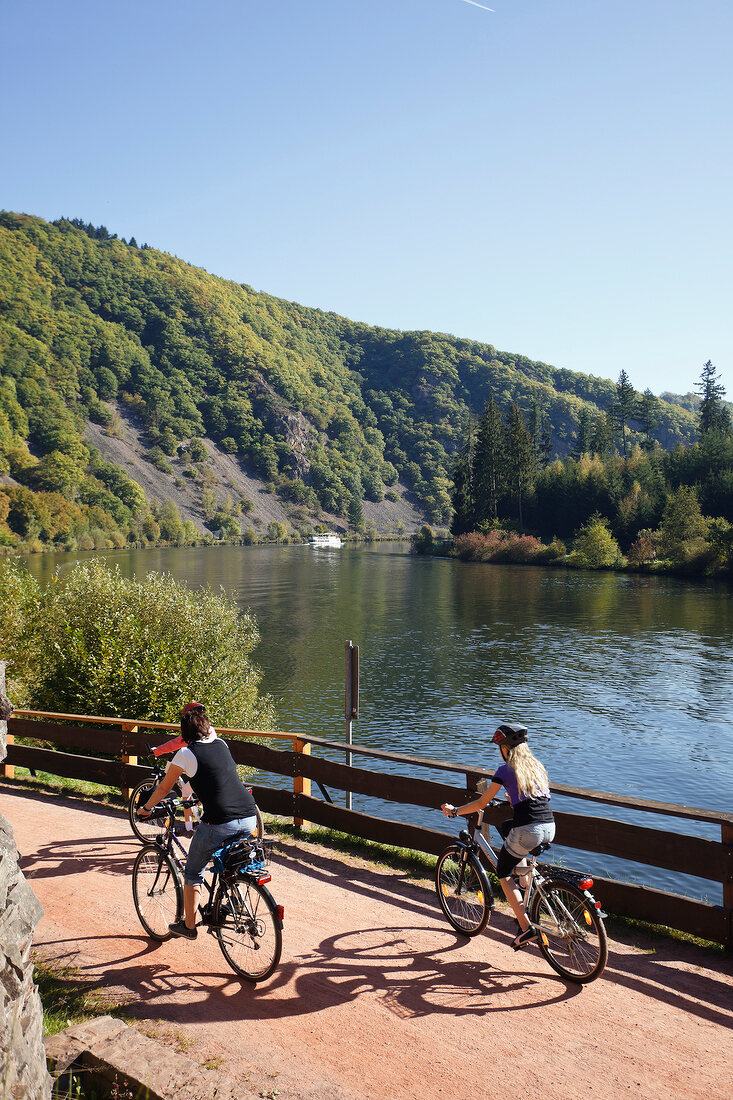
pixel 528 789
pixel 228 806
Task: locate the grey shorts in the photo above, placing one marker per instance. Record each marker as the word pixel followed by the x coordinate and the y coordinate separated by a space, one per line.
pixel 523 838
pixel 519 842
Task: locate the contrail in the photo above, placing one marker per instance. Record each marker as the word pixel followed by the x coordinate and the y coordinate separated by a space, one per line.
pixel 483 6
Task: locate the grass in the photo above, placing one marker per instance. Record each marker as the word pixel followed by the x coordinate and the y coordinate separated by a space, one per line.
pixel 416 864
pixel 620 923
pixel 44 781
pixel 67 998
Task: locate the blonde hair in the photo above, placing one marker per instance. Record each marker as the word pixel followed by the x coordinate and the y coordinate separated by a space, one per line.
pixel 532 778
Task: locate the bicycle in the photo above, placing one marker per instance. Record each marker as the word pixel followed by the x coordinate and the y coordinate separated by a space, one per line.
pixel 558 903
pixel 149 829
pixel 240 911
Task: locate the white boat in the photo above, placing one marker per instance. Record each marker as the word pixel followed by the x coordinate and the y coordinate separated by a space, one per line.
pixel 329 539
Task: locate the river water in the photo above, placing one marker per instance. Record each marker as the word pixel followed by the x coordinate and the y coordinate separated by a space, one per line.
pixel 624 680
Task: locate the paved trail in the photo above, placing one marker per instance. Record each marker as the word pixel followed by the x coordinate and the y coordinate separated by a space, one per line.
pixel 376 997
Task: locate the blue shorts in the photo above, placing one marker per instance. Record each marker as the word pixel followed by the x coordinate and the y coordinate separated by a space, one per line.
pixel 207 839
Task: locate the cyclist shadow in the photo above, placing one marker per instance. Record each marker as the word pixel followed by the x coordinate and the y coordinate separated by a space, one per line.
pixel 109 856
pixel 383 962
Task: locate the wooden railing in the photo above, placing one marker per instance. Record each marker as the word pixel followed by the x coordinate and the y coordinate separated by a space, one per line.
pixel 122 740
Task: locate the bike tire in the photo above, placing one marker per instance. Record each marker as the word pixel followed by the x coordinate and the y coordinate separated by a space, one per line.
pixel 149 830
pixel 260 826
pixel 247 923
pixel 156 891
pixel 572 934
pixel 463 890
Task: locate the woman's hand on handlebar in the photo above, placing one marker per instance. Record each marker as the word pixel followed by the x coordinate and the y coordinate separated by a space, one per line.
pixel 448 809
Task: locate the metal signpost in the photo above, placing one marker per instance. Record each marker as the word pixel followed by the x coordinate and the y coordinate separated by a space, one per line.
pixel 351 709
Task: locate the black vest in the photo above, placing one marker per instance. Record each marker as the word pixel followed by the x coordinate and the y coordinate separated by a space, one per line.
pixel 217 785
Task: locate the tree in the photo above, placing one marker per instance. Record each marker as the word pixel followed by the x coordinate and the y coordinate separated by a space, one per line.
pixel 595 547
pixel 489 463
pixel 625 405
pixel 713 416
pixel 520 458
pixel 601 442
pixel 683 527
pixel 463 496
pixel 583 438
pixel 648 414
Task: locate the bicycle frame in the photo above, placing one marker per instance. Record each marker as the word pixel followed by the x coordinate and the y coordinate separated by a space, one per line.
pixel 179 858
pixel 475 839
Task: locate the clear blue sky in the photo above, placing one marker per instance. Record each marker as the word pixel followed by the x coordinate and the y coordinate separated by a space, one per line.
pixel 553 177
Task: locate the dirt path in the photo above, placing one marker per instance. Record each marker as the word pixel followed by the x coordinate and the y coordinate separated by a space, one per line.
pixel 375 996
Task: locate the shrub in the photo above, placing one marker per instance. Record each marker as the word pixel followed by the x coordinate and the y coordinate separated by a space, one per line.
pixel 98 643
pixel 595 547
pixel 517 548
pixel 555 552
pixel 157 456
pixel 424 540
pixel 391 495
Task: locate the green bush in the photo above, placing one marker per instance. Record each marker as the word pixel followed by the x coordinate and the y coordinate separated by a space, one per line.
pixel 93 642
pixel 595 547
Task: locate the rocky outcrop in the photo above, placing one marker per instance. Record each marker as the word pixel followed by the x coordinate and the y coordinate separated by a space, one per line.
pixel 23 1072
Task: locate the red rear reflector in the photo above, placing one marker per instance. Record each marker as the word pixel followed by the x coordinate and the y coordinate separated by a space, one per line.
pixel 586 884
pixel 263 879
pixel 598 905
pixel 280 910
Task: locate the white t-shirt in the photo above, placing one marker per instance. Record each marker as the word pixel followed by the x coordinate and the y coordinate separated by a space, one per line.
pixel 186 760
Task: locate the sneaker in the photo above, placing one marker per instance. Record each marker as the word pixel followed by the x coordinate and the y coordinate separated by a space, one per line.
pixel 530 935
pixel 180 929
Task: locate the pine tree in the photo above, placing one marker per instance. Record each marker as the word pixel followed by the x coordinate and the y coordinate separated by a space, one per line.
pixel 625 405
pixel 520 458
pixel 463 497
pixel 602 436
pixel 585 433
pixel 648 413
pixel 713 416
pixel 489 463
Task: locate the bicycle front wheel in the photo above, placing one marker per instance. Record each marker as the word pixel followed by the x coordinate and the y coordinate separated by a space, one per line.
pixel 157 891
pixel 248 929
pixel 572 934
pixel 148 830
pixel 463 890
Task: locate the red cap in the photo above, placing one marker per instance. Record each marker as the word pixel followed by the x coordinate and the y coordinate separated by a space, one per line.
pixel 192 706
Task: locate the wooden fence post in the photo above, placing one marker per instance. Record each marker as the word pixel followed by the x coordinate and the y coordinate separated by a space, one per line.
pixel 6 770
pixel 127 727
pixel 726 830
pixel 301 785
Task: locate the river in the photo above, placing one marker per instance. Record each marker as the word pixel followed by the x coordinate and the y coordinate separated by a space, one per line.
pixel 624 680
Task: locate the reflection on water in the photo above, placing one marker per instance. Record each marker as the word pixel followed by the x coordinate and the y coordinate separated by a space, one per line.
pixel 623 680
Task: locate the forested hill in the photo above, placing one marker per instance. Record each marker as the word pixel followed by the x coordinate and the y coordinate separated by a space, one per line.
pixel 97 333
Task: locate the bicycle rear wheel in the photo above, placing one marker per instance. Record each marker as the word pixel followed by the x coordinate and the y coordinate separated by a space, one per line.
pixel 148 830
pixel 248 929
pixel 463 890
pixel 572 934
pixel 157 891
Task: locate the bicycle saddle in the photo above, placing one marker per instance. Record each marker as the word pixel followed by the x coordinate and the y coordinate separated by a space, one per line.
pixel 541 848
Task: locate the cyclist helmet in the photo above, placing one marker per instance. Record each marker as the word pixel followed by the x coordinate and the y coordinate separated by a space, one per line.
pixel 510 734
pixel 191 707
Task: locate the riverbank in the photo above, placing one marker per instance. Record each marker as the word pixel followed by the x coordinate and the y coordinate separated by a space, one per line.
pixel 597 551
